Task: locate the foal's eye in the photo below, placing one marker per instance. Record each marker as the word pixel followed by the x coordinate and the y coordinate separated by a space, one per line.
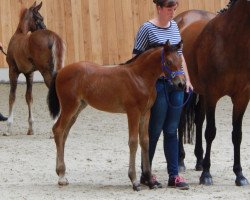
pixel 168 62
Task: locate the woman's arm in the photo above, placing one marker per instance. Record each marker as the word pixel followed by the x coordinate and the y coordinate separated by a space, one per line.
pixel 188 83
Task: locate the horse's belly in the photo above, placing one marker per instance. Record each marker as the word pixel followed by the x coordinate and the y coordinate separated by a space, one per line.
pixel 24 66
pixel 109 106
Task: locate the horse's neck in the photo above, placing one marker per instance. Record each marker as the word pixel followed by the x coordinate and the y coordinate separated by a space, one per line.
pixel 23 26
pixel 240 11
pixel 149 66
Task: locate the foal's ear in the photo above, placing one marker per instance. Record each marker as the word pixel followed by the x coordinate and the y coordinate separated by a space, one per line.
pixel 167 46
pixel 38 7
pixel 33 6
pixel 179 45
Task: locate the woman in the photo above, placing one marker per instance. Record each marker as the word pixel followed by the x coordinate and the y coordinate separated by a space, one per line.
pixel 2 118
pixel 164 117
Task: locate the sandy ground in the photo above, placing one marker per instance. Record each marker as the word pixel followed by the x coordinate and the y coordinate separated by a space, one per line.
pixel 96 157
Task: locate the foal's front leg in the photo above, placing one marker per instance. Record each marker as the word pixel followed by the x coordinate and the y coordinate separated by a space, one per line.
pixel 144 142
pixel 133 126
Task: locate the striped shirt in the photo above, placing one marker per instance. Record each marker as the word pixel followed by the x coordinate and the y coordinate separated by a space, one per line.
pixel 149 34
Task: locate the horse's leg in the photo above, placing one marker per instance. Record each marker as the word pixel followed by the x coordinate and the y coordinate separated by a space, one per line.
pixel 133 126
pixel 29 100
pixel 61 129
pixel 239 107
pixel 144 143
pixel 199 119
pixel 13 76
pixel 210 133
pixel 181 131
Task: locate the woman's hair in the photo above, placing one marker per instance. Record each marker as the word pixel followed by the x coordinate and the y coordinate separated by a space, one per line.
pixel 166 3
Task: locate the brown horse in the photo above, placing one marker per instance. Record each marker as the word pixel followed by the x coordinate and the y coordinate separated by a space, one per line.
pixel 186 18
pixel 41 50
pixel 128 88
pixel 197 19
pixel 219 65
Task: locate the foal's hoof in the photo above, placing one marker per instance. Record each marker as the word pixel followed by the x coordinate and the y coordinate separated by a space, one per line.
pixel 6 134
pixel 30 132
pixel 241 181
pixel 136 186
pixel 206 179
pixel 63 181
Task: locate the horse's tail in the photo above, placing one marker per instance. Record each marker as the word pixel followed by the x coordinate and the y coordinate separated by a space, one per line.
pixel 52 98
pixel 58 53
pixel 188 119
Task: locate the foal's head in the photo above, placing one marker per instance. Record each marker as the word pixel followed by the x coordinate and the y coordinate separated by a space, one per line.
pixel 171 64
pixel 31 19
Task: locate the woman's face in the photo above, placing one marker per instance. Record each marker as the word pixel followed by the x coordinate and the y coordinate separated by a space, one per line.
pixel 167 12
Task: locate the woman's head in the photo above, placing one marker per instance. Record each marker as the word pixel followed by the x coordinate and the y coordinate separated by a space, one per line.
pixel 166 3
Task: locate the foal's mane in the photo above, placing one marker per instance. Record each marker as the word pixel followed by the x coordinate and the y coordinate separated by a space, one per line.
pixel 228 6
pixel 150 47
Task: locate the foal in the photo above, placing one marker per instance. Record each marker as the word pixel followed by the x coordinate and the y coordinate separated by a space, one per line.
pixel 41 50
pixel 128 88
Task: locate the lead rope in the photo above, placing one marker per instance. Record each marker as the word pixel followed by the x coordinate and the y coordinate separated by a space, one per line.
pixel 190 92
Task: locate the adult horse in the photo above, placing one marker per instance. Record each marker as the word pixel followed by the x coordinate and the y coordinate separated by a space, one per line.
pixel 219 65
pixel 41 50
pixel 128 88
pixel 198 19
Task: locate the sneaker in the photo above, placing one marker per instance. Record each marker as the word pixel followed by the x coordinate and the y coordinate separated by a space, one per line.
pixel 178 182
pixel 156 184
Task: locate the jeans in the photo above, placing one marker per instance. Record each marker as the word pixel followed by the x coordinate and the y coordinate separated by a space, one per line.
pixel 166 118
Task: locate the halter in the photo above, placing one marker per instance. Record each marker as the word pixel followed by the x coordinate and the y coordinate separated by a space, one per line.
pixel 172 75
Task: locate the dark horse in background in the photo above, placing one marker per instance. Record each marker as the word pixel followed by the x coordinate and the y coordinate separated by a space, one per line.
pixel 218 63
pixel 185 129
pixel 32 48
pixel 128 88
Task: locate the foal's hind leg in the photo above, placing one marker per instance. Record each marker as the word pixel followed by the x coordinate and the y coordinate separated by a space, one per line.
pixel 13 76
pixel 61 129
pixel 239 107
pixel 29 101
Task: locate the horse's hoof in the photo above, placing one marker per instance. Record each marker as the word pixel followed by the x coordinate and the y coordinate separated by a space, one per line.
pixel 198 167
pixel 181 168
pixel 206 179
pixel 63 181
pixel 241 181
pixel 136 186
pixel 51 137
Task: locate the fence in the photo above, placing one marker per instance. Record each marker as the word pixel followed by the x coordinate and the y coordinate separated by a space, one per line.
pixel 101 31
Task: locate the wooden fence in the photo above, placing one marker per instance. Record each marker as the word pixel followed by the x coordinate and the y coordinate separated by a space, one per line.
pixel 101 31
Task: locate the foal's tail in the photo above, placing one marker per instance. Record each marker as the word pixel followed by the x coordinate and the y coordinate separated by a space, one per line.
pixel 1 49
pixel 58 52
pixel 52 98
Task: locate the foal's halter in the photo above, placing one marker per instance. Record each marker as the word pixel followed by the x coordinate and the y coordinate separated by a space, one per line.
pixel 165 68
pixel 172 75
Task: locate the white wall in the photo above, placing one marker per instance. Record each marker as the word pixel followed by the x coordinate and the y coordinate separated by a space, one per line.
pixel 4 76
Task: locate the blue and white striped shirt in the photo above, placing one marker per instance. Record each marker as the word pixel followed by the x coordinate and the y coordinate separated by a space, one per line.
pixel 149 34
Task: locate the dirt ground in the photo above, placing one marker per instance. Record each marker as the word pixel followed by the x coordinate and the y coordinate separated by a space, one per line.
pixel 96 157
